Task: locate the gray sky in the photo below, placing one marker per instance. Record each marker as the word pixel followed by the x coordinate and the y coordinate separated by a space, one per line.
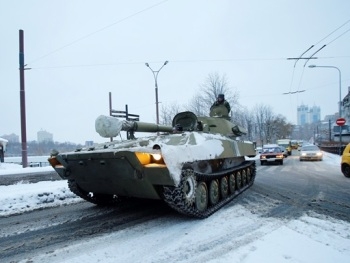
pixel 81 50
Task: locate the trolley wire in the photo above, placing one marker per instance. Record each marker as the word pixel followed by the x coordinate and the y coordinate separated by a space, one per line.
pixel 312 55
pixel 99 30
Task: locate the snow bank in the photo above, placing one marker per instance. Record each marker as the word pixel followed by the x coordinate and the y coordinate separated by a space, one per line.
pixel 21 197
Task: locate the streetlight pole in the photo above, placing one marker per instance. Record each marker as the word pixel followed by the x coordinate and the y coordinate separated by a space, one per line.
pixel 155 75
pixel 340 101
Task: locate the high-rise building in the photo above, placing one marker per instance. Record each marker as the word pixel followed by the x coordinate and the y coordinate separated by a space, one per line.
pixel 308 115
pixel 315 114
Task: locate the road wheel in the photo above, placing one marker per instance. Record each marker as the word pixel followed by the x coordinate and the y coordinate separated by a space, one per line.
pixel 201 197
pixel 249 175
pixel 238 180
pixel 232 183
pixel 244 177
pixel 214 192
pixel 189 186
pixel 224 187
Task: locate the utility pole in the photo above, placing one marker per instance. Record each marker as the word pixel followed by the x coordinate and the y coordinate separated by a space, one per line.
pixel 22 98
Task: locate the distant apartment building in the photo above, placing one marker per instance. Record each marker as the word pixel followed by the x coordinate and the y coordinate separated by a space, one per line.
pixel 308 115
pixel 44 136
pixel 331 118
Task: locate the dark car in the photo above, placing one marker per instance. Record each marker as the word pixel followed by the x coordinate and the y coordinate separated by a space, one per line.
pixel 271 154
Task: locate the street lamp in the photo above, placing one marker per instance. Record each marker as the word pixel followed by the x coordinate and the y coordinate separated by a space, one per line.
pixel 314 66
pixel 155 75
pixel 340 101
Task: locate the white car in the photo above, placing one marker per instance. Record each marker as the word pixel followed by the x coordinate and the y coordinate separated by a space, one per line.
pixel 310 152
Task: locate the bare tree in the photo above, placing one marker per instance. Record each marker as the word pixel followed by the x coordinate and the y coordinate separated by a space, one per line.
pixel 264 119
pixel 270 127
pixel 209 91
pixel 248 120
pixel 196 106
pixel 168 112
pixel 243 117
pixel 262 125
pixel 282 129
pixel 238 116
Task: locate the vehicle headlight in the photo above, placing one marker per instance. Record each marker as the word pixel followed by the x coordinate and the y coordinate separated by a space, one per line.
pixel 157 156
pixel 319 154
pixel 303 154
pixel 149 158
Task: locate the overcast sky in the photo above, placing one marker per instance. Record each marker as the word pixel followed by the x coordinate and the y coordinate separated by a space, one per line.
pixel 81 50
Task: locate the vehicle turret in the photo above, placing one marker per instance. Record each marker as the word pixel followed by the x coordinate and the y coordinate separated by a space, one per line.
pixel 108 126
pixel 217 123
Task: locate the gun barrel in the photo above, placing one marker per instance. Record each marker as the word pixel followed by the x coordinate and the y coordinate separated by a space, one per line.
pixel 108 126
pixel 150 127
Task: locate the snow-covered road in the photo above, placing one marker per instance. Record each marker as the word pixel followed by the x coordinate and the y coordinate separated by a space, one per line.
pixel 239 232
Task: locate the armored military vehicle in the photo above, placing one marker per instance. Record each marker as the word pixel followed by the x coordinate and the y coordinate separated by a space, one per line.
pixel 196 166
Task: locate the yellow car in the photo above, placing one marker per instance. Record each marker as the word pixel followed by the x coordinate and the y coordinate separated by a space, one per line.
pixel 345 161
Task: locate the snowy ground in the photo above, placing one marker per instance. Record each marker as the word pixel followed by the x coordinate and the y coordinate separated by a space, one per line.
pixel 306 239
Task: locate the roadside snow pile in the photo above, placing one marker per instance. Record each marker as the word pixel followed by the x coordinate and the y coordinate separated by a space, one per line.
pixel 12 168
pixel 19 198
pixel 4 166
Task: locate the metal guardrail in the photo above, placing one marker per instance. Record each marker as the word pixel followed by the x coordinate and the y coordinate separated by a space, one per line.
pixel 333 149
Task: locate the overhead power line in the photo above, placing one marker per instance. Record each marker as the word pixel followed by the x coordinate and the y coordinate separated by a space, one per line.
pixel 333 32
pixel 179 61
pixel 307 58
pixel 99 30
pixel 311 57
pixel 339 36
